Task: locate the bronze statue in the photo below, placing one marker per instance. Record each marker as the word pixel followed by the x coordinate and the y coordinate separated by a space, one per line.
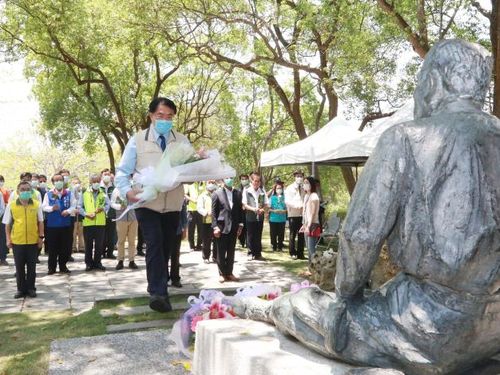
pixel 431 189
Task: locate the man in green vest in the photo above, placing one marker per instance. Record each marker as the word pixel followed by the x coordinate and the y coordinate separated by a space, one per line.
pixel 94 205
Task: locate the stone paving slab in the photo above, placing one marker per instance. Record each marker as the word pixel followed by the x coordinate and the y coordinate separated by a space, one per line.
pixel 125 327
pixel 148 352
pixel 135 310
pixel 81 289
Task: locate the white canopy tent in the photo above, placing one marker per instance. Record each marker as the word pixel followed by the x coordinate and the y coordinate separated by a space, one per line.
pixel 315 148
pixel 337 143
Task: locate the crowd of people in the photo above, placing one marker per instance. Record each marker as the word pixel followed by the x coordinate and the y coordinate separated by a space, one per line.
pixel 67 217
pixel 70 216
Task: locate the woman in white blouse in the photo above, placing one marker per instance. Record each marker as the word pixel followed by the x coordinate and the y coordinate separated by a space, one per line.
pixel 310 215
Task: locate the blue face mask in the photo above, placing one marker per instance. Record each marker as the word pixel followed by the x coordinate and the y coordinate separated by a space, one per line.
pixel 25 195
pixel 162 127
pixel 229 182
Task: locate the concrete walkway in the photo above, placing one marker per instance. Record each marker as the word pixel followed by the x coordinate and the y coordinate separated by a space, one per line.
pixel 80 289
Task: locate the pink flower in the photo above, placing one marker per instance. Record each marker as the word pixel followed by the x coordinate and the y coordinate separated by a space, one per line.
pixel 218 310
pixel 195 321
pixel 272 296
pixel 304 284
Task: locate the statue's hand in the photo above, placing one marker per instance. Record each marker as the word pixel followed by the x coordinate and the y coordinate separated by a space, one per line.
pixel 250 308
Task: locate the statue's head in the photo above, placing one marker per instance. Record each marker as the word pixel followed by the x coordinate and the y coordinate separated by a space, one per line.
pixel 453 69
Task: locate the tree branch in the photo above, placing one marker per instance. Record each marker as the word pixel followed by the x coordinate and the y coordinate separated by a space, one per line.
pixel 415 40
pixel 373 116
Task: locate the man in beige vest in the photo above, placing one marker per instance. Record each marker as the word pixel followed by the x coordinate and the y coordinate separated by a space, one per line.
pixel 159 218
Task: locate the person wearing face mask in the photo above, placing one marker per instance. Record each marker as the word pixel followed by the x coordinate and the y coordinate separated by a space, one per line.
pixel 204 207
pixel 34 181
pixel 294 200
pixel 23 220
pixel 35 194
pixel 227 223
pixel 126 227
pixel 242 238
pixel 110 234
pixel 159 218
pixel 42 185
pixel 255 201
pixel 66 176
pixel 58 204
pixel 310 216
pixel 78 241
pixel 65 173
pixel 277 217
pixel 192 191
pixel 94 204
pixel 4 199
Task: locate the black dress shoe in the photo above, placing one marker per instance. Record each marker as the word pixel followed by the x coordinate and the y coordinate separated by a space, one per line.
pixel 260 257
pixel 51 272
pixel 88 268
pixel 111 256
pixel 302 258
pixel 119 265
pixel 65 270
pixel 71 259
pixel 19 294
pixel 177 284
pixel 160 304
pixel 100 267
pixel 31 293
pixel 132 265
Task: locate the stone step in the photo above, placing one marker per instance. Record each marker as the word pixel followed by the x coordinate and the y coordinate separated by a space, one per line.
pixel 187 290
pixel 136 310
pixel 117 328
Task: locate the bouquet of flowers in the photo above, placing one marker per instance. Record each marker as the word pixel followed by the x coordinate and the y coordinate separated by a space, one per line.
pixel 264 291
pixel 179 164
pixel 207 306
pixel 212 304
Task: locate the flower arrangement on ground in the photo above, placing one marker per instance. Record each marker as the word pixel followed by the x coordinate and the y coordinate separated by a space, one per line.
pixel 213 304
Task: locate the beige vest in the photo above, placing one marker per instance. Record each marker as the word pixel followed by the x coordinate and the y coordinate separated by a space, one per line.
pixel 148 155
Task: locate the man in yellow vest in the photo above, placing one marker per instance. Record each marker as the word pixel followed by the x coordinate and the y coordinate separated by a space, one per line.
pixel 158 219
pixel 192 192
pixel 94 204
pixel 23 219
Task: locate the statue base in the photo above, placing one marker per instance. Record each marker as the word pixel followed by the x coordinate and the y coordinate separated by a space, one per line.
pixel 246 347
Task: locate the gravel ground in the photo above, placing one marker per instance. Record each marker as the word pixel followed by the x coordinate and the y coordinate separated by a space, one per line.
pixel 147 352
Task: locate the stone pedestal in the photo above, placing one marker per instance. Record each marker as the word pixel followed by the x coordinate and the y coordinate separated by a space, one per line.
pixel 246 347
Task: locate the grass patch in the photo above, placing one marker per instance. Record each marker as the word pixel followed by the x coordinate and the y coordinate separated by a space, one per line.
pixel 131 302
pixel 282 259
pixel 25 337
pixel 153 315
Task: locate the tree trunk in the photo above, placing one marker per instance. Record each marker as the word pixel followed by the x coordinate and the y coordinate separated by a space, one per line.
pixel 109 148
pixel 348 178
pixel 495 47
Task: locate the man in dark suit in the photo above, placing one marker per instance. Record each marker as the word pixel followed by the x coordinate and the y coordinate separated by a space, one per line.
pixel 227 224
